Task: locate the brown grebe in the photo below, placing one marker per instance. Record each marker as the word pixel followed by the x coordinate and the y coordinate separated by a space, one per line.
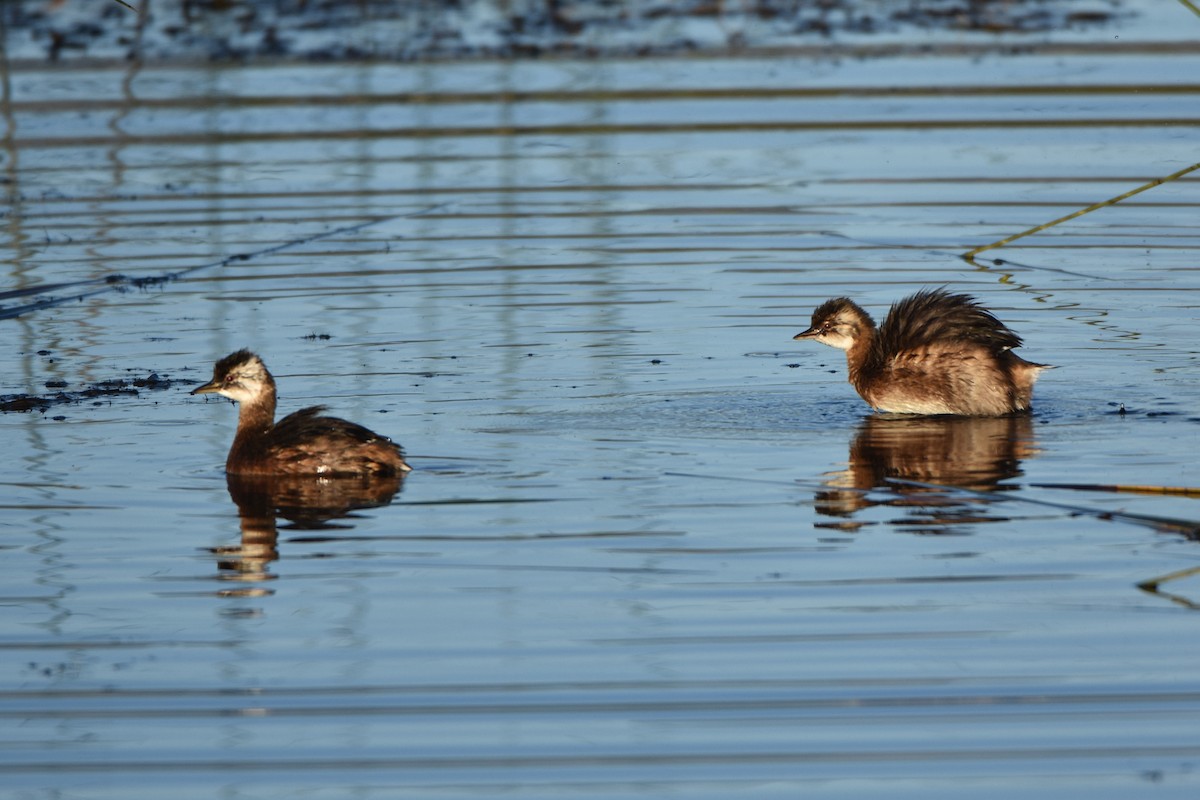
pixel 302 443
pixel 936 353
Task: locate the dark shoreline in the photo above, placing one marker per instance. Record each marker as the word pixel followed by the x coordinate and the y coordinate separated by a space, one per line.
pixel 239 31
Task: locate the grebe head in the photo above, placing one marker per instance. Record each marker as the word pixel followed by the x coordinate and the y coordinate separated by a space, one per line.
pixel 240 376
pixel 838 323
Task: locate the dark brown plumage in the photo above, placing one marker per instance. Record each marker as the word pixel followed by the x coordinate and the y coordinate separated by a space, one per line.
pixel 303 443
pixel 936 353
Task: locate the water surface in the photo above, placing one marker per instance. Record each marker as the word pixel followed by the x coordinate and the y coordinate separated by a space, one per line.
pixel 651 547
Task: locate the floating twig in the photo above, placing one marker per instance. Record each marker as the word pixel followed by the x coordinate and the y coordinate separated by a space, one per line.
pixel 1153 584
pixel 1189 528
pixel 970 254
pixel 1154 587
pixel 1175 491
pixel 1189 4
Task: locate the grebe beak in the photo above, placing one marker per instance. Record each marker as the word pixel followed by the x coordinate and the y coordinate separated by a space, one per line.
pixel 212 387
pixel 811 333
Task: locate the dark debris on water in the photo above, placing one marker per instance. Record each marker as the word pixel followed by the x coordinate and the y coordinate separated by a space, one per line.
pixel 117 387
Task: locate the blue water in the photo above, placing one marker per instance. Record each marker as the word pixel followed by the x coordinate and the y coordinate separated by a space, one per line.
pixel 650 547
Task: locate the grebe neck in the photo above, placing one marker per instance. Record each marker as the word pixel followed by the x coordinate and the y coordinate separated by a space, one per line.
pixel 861 354
pixel 256 418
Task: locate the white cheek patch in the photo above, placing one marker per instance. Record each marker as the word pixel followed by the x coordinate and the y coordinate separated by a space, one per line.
pixel 838 340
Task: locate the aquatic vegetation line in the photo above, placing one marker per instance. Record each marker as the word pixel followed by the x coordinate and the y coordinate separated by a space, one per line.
pixel 1175 491
pixel 969 256
pixel 123 283
pixel 1192 6
pixel 1188 528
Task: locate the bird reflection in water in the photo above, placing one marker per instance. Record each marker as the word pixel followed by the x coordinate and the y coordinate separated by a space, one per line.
pixel 965 452
pixel 306 502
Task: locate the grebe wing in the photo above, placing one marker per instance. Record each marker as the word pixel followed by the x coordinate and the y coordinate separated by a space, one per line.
pixel 935 315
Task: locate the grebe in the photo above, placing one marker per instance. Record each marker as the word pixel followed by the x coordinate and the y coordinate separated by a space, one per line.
pixel 936 353
pixel 302 443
